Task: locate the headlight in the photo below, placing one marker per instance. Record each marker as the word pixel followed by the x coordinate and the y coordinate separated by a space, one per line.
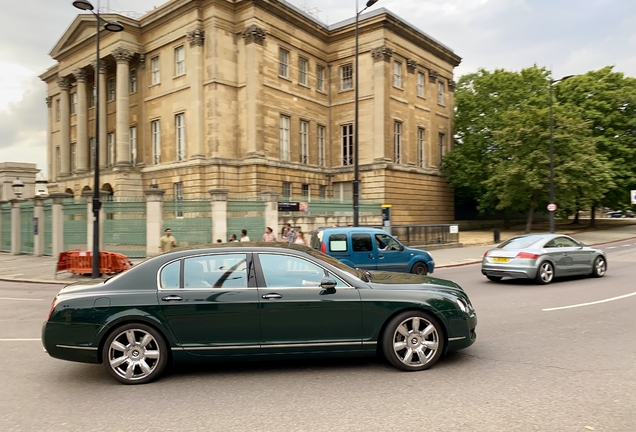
pixel 462 305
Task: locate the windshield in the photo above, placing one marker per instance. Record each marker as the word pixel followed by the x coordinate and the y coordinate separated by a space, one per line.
pixel 339 265
pixel 522 242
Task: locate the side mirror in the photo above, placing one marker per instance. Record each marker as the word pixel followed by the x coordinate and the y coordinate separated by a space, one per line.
pixel 328 283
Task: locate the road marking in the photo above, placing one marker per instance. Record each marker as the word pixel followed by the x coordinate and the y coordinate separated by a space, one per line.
pixel 20 340
pixel 611 247
pixel 627 245
pixel 19 299
pixel 13 275
pixel 590 303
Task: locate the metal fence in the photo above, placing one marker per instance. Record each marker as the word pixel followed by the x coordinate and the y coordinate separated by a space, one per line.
pixel 125 226
pixel 75 224
pixel 26 227
pixel 5 245
pixel 413 235
pixel 48 227
pixel 247 214
pixel 189 220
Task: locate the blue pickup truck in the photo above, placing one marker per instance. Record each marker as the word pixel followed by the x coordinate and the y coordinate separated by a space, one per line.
pixel 371 249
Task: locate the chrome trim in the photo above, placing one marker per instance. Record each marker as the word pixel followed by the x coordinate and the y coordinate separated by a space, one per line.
pixel 77 347
pixel 456 338
pixel 219 348
pixel 235 347
pixel 370 343
pixel 308 345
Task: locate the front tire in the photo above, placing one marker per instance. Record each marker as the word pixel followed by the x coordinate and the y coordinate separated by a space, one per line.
pixel 413 341
pixel 420 269
pixel 545 273
pixel 600 267
pixel 135 354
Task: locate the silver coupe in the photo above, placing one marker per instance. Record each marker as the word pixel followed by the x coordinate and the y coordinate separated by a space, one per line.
pixel 542 257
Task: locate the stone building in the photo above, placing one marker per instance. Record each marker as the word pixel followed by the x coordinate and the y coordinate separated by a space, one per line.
pixel 254 95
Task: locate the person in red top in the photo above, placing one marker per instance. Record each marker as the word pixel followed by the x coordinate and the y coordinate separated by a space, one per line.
pixel 269 235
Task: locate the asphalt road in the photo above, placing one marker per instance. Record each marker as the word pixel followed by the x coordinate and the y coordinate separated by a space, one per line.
pixel 560 357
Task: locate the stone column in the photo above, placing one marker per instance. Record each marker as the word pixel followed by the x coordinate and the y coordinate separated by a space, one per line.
pixel 81 148
pixel 101 140
pixel 271 210
pixel 154 220
pixel 254 37
pixel 38 236
pixel 49 140
pixel 57 225
pixel 196 38
pixel 219 214
pixel 65 130
pixel 15 226
pixel 122 141
pixel 381 57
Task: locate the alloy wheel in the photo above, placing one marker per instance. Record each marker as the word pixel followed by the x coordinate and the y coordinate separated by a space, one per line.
pixel 415 341
pixel 546 272
pixel 134 354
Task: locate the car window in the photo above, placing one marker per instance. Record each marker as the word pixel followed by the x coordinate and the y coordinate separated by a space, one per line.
pixel 170 275
pixel 386 243
pixel 337 264
pixel 338 243
pixel 215 271
pixel 285 271
pixel 520 242
pixel 565 242
pixel 361 243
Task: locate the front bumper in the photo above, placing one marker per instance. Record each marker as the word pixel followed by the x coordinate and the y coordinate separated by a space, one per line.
pixel 462 333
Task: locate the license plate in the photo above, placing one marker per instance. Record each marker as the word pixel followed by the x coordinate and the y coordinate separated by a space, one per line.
pixel 500 260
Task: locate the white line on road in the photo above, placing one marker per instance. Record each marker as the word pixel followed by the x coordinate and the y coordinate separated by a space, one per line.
pixel 19 299
pixel 611 247
pixel 20 340
pixel 13 275
pixel 590 303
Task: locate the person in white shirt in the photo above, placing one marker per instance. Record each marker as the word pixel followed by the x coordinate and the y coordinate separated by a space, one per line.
pixel 244 237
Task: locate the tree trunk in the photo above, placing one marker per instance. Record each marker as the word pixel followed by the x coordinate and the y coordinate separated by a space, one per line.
pixel 593 217
pixel 529 219
pixel 576 217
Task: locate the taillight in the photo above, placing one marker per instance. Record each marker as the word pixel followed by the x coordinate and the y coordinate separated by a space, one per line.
pixel 323 247
pixel 52 309
pixel 485 254
pixel 527 255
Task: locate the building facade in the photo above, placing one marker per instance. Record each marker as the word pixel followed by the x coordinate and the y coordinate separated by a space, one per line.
pixel 249 96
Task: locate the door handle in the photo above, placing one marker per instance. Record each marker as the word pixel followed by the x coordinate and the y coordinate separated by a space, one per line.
pixel 271 296
pixel 371 256
pixel 172 298
pixel 380 255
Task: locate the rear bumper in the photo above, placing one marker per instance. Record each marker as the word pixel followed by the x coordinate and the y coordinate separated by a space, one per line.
pixel 68 342
pixel 511 271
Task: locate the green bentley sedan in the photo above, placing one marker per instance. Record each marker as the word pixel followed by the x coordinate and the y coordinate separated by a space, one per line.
pixel 254 301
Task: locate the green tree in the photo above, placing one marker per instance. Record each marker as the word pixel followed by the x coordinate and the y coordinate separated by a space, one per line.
pixel 501 156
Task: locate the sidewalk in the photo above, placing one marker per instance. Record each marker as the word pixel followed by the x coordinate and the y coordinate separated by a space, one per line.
pixel 27 268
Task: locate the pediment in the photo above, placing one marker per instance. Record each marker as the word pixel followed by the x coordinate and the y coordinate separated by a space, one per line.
pixel 82 28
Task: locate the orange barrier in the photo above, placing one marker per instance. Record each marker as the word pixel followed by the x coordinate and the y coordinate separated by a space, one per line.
pixel 81 262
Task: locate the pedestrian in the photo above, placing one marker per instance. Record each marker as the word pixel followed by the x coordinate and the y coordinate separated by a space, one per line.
pixel 290 233
pixel 167 242
pixel 233 238
pixel 269 235
pixel 300 239
pixel 244 236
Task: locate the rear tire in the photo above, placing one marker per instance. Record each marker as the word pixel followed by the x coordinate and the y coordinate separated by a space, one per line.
pixel 494 278
pixel 413 341
pixel 135 353
pixel 600 267
pixel 545 273
pixel 420 269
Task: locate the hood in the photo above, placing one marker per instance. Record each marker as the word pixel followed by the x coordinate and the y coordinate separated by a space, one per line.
pixel 389 280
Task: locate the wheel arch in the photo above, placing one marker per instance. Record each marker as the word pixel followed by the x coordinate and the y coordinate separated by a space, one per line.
pixel 111 327
pixel 439 319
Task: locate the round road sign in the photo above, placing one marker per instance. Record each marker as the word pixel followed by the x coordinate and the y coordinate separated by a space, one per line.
pixel 552 207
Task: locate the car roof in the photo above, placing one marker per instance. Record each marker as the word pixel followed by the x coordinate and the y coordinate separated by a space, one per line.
pixel 348 229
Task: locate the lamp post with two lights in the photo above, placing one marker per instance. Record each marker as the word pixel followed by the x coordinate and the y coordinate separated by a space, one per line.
pixel 111 26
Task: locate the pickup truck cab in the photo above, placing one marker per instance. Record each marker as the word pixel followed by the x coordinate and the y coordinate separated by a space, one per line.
pixel 371 249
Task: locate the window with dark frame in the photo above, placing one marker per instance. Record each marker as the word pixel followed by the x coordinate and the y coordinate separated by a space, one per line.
pixel 306 192
pixel 133 145
pixel 320 78
pixel 304 142
pixel 285 153
pixel 347 144
pixel 73 103
pixel 179 60
pixel 397 142
pixel 303 65
pixel 421 85
pixel 133 81
pixel 155 71
pixel 322 191
pixel 180 136
pixel 440 93
pixel 73 157
pixel 441 138
pixel 155 134
pixel 111 89
pixel 322 132
pixel 420 146
pixel 58 110
pixel 397 74
pixel 178 200
pixel 283 62
pixel 346 77
pixel 287 190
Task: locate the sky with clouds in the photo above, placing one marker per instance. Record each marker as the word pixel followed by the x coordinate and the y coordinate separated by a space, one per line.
pixel 569 36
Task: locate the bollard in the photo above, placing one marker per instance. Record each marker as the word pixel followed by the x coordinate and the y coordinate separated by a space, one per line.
pixel 496 235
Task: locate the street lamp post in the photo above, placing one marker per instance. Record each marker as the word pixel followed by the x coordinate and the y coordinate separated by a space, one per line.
pixel 113 26
pixel 551 209
pixel 356 167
